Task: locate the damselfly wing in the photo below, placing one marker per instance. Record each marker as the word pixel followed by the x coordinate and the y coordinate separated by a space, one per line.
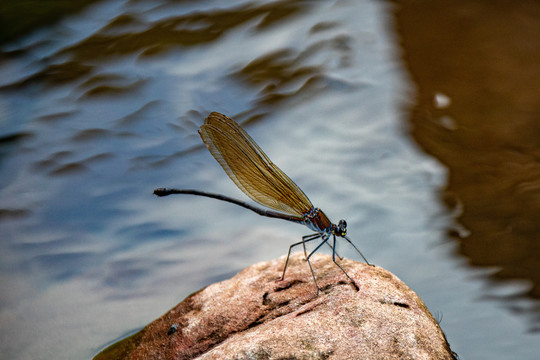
pixel 249 167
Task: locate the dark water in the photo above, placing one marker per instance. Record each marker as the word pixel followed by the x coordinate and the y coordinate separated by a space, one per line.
pixel 99 109
pixel 489 132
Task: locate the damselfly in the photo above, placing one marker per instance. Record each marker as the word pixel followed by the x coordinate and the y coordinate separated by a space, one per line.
pixel 253 172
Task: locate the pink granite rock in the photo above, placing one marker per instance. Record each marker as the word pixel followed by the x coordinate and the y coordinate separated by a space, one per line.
pixel 254 315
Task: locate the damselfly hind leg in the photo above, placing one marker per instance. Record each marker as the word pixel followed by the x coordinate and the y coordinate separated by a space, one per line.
pixel 303 242
pixel 307 238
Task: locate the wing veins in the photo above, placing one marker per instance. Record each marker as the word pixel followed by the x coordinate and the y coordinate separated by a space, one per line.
pixel 249 167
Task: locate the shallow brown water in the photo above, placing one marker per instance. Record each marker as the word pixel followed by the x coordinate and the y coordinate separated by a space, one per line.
pixel 483 56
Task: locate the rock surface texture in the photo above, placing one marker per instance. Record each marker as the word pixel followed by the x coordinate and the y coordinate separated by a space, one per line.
pixel 254 315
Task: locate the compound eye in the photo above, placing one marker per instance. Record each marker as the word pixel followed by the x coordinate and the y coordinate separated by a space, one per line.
pixel 342 228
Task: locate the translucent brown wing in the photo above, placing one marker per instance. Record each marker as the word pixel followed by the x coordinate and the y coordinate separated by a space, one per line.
pixel 249 167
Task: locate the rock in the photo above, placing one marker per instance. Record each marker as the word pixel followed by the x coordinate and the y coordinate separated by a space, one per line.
pixel 254 315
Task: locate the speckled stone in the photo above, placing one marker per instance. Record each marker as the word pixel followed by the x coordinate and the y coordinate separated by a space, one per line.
pixel 254 315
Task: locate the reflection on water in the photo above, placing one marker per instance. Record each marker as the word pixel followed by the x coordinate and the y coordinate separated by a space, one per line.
pixel 102 108
pixel 482 58
pixel 18 18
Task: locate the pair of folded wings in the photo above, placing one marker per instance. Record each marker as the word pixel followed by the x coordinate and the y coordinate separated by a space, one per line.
pixel 249 167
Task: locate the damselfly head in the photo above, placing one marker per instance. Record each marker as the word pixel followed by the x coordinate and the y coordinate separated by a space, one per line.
pixel 341 229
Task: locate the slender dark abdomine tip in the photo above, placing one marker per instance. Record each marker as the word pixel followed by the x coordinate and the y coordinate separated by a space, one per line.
pixel 161 192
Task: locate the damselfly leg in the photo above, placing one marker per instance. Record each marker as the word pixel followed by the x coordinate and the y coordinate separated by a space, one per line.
pixel 305 239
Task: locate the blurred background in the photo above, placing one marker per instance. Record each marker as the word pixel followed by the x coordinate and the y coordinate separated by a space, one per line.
pixel 417 121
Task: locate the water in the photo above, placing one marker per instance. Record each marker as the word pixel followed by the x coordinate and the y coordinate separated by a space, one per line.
pixel 102 108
